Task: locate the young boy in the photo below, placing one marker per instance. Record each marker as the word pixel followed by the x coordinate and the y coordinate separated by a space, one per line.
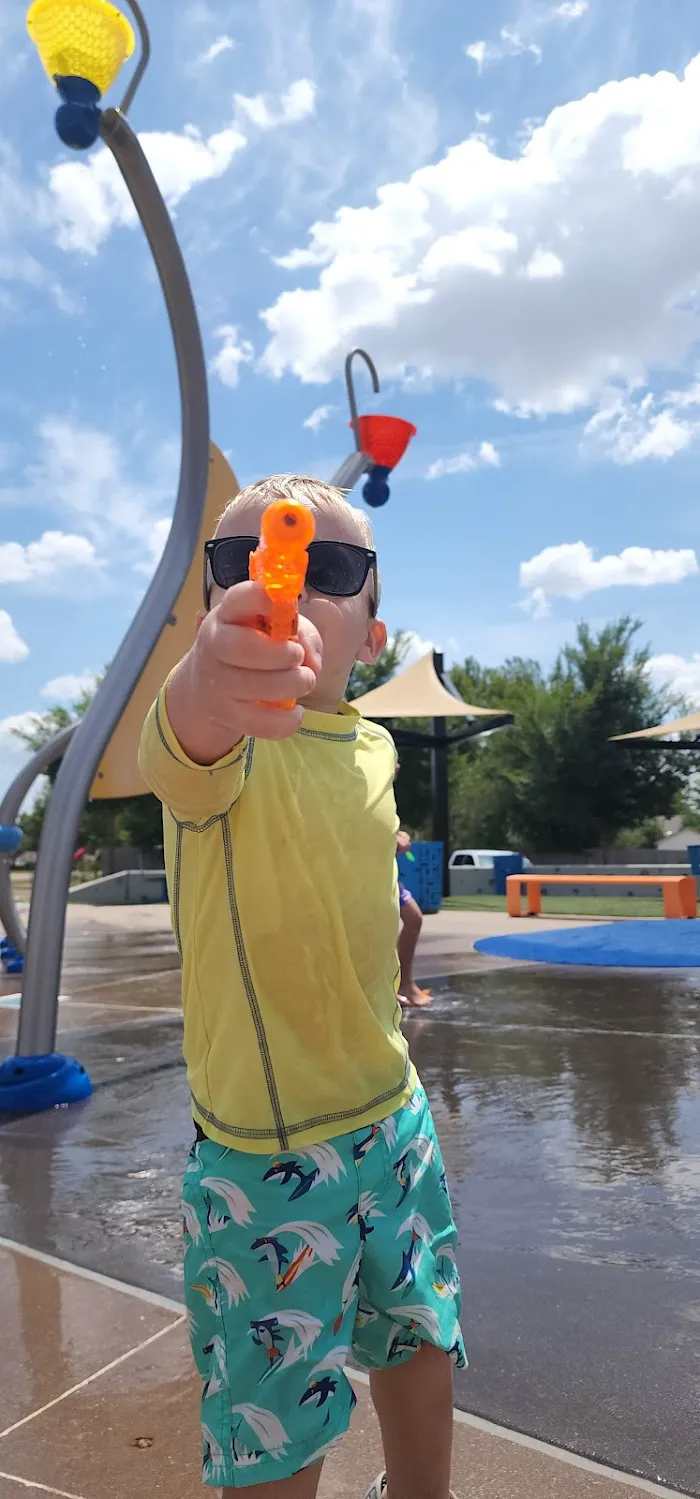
pixel 317 1219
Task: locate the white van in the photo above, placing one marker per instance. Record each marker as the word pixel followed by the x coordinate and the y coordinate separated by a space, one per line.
pixel 481 858
pixel 471 870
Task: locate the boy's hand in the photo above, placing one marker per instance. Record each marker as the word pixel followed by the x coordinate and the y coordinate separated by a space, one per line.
pixel 225 687
pixel 403 842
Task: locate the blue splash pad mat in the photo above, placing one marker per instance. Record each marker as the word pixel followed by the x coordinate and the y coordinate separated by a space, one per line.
pixel 618 944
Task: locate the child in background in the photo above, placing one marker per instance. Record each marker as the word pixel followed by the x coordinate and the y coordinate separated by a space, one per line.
pixel 317 1219
pixel 411 916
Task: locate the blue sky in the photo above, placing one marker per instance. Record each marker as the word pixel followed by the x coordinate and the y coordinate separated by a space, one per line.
pixel 500 201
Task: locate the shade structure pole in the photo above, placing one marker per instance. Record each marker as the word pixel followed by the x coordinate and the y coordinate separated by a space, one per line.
pixel 440 784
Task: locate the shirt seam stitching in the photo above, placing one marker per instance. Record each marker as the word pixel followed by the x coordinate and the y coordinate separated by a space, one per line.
pixel 280 1133
pixel 303 1124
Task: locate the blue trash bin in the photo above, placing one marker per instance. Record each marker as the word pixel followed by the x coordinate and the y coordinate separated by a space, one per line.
pixel 503 865
pixel 422 875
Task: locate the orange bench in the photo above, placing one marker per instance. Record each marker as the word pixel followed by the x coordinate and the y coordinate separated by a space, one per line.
pixel 679 891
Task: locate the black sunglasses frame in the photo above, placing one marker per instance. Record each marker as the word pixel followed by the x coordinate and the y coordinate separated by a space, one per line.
pixel 369 557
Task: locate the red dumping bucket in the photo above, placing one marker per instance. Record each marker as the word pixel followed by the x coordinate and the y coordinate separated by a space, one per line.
pixel 385 438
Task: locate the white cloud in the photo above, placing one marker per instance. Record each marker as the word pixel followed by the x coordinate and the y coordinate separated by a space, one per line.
pixel 297 103
pixel 543 265
pixel 570 571
pixel 513 42
pixel 13 753
pixel 16 723
pixel 55 556
pixel 536 604
pixel 570 10
pixel 477 52
pixel 489 455
pixel 433 277
pixel 89 199
pixel 629 429
pixel 416 647
pixel 318 416
pixel 210 54
pixel 233 353
pixel 82 471
pixel 486 456
pixel 155 545
pixel 68 688
pixel 510 44
pixel 681 674
pixel 12 647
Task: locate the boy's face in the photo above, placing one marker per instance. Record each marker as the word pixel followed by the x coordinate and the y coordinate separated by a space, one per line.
pixel 347 627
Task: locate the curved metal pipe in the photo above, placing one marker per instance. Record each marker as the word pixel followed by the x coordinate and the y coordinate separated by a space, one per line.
pixel 38 1014
pixel 144 59
pixel 9 812
pixel 354 354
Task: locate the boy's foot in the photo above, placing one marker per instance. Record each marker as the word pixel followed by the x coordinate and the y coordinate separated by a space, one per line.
pixel 378 1489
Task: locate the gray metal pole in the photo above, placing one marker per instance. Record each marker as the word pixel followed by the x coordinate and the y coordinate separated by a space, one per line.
pixel 351 470
pixel 38 1015
pixel 9 812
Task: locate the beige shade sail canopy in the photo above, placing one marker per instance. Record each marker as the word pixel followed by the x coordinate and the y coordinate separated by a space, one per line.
pixel 118 772
pixel 689 724
pixel 418 692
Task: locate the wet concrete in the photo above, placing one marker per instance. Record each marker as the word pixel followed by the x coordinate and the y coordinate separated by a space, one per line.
pixel 104 1399
pixel 568 1105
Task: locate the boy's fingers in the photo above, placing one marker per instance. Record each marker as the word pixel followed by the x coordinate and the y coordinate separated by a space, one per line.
pixel 239 645
pixel 310 639
pixel 267 687
pixel 242 603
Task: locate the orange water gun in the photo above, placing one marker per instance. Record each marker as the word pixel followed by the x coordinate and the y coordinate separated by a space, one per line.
pixel 279 563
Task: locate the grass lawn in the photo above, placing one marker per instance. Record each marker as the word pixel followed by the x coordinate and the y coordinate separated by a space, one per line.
pixel 566 905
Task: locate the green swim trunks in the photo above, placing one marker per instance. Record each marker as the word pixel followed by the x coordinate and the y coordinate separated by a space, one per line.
pixel 294 1263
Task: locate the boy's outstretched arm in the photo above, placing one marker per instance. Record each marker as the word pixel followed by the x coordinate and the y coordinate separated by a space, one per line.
pixel 225 687
pixel 222 693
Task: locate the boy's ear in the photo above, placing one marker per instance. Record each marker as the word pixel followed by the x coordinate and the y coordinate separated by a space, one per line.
pixel 374 644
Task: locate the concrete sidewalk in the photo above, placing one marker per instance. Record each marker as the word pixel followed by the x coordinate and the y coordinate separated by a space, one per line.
pixel 99 1398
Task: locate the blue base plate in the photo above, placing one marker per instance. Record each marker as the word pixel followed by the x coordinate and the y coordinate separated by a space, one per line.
pixel 618 944
pixel 30 1084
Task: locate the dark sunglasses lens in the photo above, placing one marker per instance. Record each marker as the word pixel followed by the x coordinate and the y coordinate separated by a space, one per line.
pixel 336 569
pixel 231 561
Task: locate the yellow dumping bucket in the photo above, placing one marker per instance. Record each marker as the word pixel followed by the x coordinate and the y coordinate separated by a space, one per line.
pixel 81 38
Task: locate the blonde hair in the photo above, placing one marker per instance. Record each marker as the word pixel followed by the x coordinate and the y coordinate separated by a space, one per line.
pixel 326 498
pixel 311 492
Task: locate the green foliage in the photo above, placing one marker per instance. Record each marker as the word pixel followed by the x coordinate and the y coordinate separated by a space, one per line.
pixel 365 678
pixel 554 781
pixel 135 821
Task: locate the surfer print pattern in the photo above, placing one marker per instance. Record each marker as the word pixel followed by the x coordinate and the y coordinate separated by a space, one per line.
pixel 296 1261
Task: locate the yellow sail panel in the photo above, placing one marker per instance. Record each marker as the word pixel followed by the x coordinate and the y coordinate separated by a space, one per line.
pixel 118 772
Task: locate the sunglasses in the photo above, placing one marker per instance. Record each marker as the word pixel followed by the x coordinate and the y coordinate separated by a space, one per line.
pixel 337 568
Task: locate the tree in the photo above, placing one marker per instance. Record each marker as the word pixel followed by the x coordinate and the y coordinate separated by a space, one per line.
pixel 555 782
pixel 135 821
pixel 364 678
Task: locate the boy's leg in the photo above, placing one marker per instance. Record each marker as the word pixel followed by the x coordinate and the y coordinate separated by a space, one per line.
pixel 414 1404
pixel 301 1486
pixel 411 923
pixel 407 1332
